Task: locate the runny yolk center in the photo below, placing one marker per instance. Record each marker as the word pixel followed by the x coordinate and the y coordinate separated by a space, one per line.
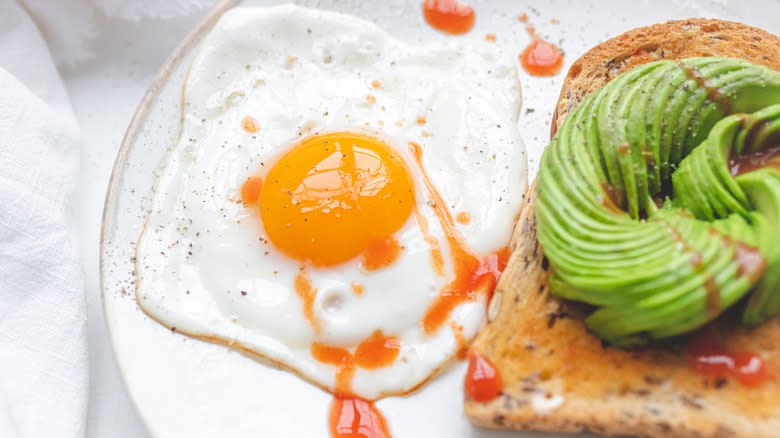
pixel 336 196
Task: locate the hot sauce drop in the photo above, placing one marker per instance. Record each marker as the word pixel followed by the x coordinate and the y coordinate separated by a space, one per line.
pixel 449 16
pixel 380 253
pixel 250 124
pixel 483 383
pixel 250 190
pixel 711 360
pixel 540 58
pixel 356 418
pixel 463 218
pixel 377 351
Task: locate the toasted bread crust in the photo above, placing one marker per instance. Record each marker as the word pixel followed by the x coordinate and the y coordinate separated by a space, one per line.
pixel 557 376
pixel 671 40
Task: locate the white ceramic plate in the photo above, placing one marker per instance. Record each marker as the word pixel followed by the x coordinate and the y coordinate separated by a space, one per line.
pixel 184 387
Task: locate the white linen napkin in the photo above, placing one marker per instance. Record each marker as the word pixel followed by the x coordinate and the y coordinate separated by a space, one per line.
pixel 70 26
pixel 44 380
pixel 43 345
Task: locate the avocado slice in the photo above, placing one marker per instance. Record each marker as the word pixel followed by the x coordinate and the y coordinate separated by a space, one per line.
pixel 667 129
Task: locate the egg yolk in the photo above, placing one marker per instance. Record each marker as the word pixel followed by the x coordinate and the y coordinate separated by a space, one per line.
pixel 333 196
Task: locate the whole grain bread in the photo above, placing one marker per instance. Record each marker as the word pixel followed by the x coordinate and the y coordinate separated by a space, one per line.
pixel 557 376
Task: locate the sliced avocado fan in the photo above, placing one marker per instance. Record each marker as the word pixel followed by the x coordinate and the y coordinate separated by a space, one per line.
pixel 642 210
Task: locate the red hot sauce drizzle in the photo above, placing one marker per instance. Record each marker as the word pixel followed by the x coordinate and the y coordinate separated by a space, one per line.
pixel 460 340
pixel 710 359
pixel 377 351
pixel 340 358
pixel 483 382
pixel 356 418
pixel 472 274
pixel 308 294
pixel 493 264
pixel 353 417
pixel 705 354
pixel 449 16
pixel 350 416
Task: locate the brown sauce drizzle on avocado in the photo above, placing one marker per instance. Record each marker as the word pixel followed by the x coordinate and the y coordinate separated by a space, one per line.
pixel 609 199
pixel 713 291
pixel 713 93
pixel 749 260
pixel 769 157
pixel 710 285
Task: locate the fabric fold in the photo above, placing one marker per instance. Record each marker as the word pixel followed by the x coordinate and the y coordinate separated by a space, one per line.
pixel 43 342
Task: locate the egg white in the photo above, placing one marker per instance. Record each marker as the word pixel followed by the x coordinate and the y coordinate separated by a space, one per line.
pixel 203 264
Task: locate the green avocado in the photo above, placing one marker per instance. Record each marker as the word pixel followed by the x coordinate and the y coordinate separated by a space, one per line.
pixel 642 211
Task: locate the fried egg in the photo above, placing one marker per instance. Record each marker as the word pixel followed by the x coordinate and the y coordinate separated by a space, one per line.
pixel 338 202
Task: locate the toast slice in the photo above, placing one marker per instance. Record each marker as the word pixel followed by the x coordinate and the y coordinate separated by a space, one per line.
pixel 557 376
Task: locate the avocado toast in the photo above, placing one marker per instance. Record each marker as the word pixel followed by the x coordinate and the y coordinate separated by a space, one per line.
pixel 564 369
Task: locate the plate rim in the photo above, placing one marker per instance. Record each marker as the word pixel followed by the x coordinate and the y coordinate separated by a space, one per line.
pixel 139 118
